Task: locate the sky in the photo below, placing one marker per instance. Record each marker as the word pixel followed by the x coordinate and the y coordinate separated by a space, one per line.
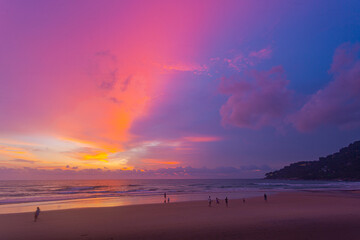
pixel 175 89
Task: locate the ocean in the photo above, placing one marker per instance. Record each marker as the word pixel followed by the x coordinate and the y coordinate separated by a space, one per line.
pixel 25 196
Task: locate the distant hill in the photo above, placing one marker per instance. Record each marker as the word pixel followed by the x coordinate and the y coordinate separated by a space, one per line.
pixel 343 165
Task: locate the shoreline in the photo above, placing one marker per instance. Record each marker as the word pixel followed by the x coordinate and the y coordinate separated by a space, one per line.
pixel 106 202
pixel 302 215
pixel 25 196
pixel 94 202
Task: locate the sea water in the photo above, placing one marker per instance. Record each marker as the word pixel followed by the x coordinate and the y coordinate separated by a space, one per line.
pixel 25 196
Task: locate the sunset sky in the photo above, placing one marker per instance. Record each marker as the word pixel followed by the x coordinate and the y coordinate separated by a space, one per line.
pixel 175 89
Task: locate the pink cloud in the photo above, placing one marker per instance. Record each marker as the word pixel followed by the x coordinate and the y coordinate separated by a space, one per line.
pixel 261 54
pixel 239 62
pixel 242 61
pixel 339 102
pixel 261 101
pixel 186 68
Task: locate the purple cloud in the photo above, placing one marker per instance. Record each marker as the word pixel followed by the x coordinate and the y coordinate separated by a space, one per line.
pixel 19 160
pixel 261 54
pixel 242 61
pixel 339 102
pixel 257 100
pixel 104 70
pixel 99 173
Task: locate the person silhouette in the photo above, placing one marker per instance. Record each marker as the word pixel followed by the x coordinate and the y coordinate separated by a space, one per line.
pixel 37 213
pixel 209 200
pixel 265 197
pixel 227 201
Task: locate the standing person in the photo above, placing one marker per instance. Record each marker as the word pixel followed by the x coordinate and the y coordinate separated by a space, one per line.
pixel 209 200
pixel 217 201
pixel 227 201
pixel 265 197
pixel 168 200
pixel 37 213
pixel 243 200
pixel 165 197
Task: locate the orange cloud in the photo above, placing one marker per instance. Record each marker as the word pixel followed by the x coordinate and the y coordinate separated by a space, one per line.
pixel 15 152
pixel 101 156
pixel 183 148
pixel 156 161
pixel 12 150
pixel 203 138
pixel 89 154
pixel 16 142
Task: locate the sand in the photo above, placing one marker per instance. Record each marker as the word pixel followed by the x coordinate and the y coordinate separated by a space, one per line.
pixel 302 215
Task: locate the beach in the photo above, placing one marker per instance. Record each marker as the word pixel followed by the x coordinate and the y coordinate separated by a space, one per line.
pixel 297 215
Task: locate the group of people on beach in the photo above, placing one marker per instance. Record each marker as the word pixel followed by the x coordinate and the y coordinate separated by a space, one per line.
pixel 218 201
pixel 37 212
pixel 227 200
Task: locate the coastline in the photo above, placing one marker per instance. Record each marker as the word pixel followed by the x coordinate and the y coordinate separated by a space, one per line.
pixel 96 202
pixel 302 215
pixel 25 196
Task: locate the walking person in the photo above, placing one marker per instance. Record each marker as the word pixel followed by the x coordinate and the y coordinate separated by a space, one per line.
pixel 217 201
pixel 265 197
pixel 209 200
pixel 37 213
pixel 227 202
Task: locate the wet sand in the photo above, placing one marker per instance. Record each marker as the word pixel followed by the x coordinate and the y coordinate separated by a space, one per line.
pixel 301 215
